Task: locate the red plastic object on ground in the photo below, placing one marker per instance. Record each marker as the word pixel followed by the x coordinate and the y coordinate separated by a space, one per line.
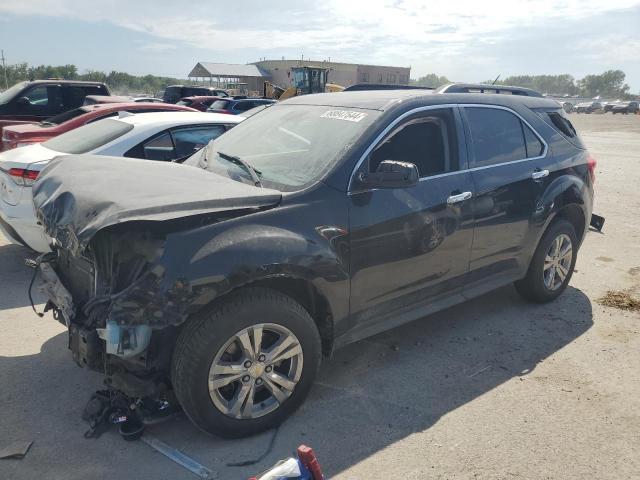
pixel 309 460
pixel 305 467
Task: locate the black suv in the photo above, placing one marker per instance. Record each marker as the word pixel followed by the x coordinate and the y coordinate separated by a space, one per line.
pixel 317 222
pixel 28 102
pixel 173 93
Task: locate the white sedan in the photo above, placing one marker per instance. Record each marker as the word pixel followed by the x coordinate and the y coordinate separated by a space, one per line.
pixel 165 136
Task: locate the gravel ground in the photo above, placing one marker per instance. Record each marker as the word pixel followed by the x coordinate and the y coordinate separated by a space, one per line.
pixel 496 388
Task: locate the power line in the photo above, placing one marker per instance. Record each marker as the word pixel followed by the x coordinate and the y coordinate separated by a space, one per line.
pixel 4 69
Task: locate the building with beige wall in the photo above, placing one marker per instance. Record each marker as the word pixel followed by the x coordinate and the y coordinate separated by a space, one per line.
pixel 344 74
pixel 279 72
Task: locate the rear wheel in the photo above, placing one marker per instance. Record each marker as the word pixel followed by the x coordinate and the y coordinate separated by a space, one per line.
pixel 246 364
pixel 552 264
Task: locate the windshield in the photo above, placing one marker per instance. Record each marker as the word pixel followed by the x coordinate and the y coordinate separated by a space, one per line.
pixel 7 95
pixel 63 117
pixel 185 103
pixel 290 146
pixel 88 137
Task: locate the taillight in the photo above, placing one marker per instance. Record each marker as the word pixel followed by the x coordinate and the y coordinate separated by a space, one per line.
pixel 22 176
pixel 591 166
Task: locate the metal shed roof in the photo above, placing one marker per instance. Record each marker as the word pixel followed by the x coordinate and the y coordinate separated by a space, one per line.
pixel 207 69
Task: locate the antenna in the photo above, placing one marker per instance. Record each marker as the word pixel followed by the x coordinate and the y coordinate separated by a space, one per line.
pixel 494 82
pixel 4 69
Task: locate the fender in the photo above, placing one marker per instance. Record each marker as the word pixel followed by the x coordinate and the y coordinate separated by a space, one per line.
pixel 563 191
pixel 201 264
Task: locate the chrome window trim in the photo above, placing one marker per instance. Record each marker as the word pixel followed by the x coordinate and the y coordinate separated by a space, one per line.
pixel 388 128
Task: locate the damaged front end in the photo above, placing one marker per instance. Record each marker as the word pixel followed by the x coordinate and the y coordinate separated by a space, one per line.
pixel 106 278
pixel 120 320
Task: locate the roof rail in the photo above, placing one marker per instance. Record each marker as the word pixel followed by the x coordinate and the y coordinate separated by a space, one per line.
pixel 382 86
pixel 484 88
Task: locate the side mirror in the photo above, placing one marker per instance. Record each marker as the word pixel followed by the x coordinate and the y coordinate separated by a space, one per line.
pixel 391 174
pixel 23 101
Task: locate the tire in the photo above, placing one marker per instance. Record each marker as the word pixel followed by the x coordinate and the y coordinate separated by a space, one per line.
pixel 535 287
pixel 201 342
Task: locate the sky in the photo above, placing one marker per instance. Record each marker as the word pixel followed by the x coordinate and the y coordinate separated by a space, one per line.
pixel 463 40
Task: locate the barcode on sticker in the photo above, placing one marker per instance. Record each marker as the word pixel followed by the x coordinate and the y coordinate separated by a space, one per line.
pixel 344 115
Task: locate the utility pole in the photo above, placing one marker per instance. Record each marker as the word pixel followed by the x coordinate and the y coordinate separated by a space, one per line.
pixel 4 69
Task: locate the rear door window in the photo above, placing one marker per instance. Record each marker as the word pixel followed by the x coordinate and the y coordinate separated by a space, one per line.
pixel 496 136
pixel 535 147
pixel 88 137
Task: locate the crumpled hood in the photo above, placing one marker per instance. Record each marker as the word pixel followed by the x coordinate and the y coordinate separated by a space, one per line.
pixel 78 195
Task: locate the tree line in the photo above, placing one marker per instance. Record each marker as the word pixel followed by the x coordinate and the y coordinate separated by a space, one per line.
pixel 609 84
pixel 119 82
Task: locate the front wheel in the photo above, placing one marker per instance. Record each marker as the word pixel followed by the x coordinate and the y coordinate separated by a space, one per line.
pixel 552 264
pixel 246 364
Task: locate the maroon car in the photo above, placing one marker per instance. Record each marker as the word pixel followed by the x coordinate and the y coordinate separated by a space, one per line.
pixel 18 135
pixel 201 103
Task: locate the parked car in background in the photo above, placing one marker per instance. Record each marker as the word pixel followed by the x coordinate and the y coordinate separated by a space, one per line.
pixel 148 100
pixel 27 133
pixel 164 136
pixel 200 103
pixel 174 93
pixel 28 102
pixel 97 99
pixel 626 107
pixel 568 107
pixel 236 106
pixel 608 106
pixel 590 107
pixel 317 222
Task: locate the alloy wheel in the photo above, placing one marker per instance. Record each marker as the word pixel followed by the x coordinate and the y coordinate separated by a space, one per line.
pixel 255 371
pixel 557 262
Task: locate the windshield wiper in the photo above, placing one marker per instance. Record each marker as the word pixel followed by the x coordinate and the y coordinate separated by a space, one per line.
pixel 44 123
pixel 238 161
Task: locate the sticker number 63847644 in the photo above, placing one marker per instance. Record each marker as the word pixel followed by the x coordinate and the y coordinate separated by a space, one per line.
pixel 348 115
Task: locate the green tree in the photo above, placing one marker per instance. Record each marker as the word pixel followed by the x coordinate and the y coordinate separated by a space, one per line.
pixel 608 84
pixel 430 80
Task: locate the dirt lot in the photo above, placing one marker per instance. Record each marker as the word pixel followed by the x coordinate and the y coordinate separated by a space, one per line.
pixel 496 388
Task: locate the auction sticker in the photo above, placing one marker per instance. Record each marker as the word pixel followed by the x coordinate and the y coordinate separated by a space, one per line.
pixel 347 115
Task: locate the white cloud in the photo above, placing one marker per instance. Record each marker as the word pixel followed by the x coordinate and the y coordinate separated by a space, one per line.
pixel 157 47
pixel 428 35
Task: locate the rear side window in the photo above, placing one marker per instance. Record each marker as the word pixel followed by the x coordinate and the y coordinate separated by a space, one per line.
pixel 88 137
pixel 496 136
pixel 219 105
pixel 243 106
pixel 562 124
pixel 64 117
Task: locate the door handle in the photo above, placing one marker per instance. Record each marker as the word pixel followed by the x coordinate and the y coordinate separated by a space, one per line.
pixel 538 174
pixel 460 197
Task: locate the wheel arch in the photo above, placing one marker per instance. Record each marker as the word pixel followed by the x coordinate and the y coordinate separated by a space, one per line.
pixel 300 289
